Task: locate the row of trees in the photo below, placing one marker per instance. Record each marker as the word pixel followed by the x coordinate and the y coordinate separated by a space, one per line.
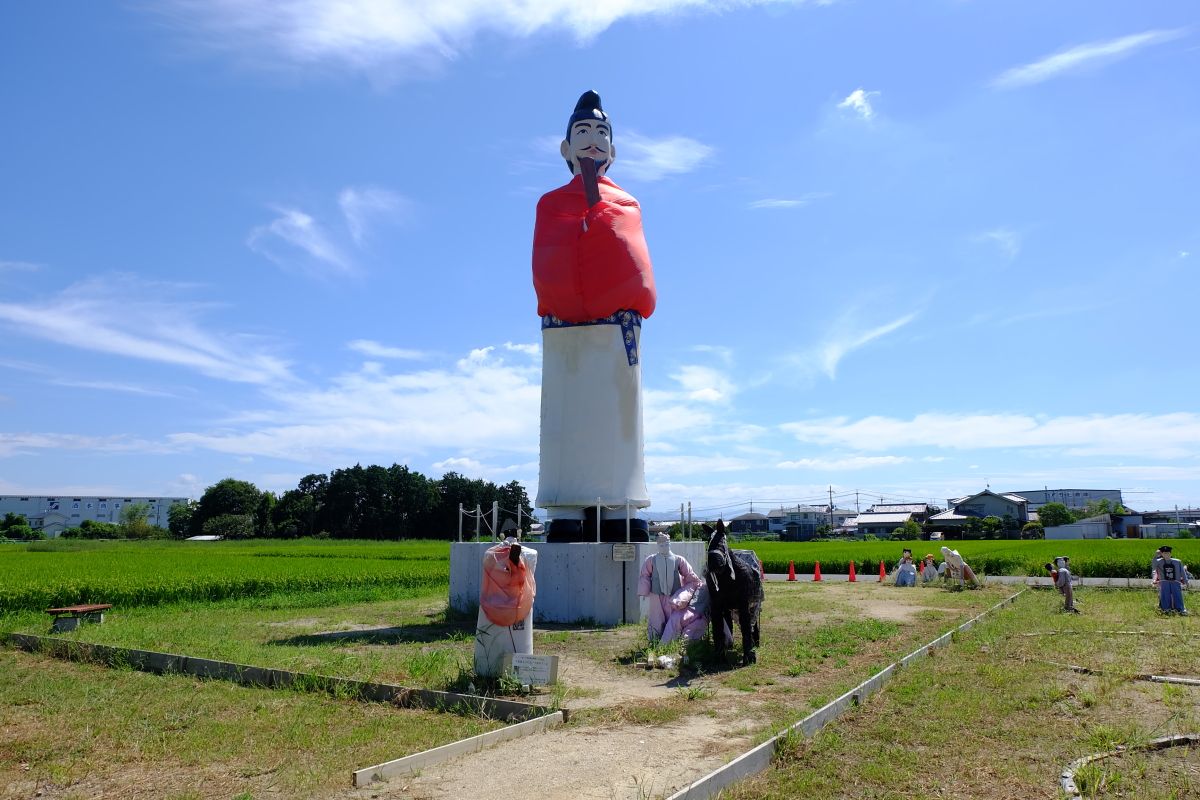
pixel 16 526
pixel 355 503
pixel 1053 514
pixel 134 524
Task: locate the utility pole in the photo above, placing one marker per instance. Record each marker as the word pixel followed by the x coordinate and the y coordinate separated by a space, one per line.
pixel 856 509
pixel 831 507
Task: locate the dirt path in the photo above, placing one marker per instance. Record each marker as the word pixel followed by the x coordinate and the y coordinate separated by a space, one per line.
pixel 622 760
pixel 626 763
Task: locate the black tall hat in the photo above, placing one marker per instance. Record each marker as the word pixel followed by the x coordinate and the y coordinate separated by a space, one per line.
pixel 588 107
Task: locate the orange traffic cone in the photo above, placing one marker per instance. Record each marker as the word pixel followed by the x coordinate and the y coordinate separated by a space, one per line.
pixel 817 571
pixel 882 571
pixel 853 577
pixel 791 570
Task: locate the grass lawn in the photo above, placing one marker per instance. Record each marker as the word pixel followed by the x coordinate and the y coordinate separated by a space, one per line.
pixel 991 717
pixel 90 728
pixel 987 717
pixel 82 731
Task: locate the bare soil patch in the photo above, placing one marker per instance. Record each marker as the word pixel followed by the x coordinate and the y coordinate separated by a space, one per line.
pixel 606 757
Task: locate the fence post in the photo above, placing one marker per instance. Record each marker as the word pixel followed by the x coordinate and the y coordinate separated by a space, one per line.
pixel 478 518
pixel 627 520
pixel 683 531
pixel 518 520
pixel 689 525
pixel 460 515
pixel 495 518
pixel 598 507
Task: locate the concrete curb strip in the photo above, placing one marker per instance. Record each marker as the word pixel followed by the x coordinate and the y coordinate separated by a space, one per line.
pixel 760 758
pixel 167 663
pixel 367 775
pixel 1067 779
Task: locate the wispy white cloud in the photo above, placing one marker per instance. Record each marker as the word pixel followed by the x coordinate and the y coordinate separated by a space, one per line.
pixel 1084 55
pixel 297 242
pixel 859 101
pixel 1006 239
pixel 844 337
pixel 366 205
pixel 794 202
pixel 1174 435
pixel 843 464
pixel 677 465
pixel 530 350
pixel 113 386
pixel 124 316
pixel 13 444
pixel 54 377
pixel 387 40
pixel 703 384
pixel 647 159
pixel 468 466
pixel 481 402
pixel 376 350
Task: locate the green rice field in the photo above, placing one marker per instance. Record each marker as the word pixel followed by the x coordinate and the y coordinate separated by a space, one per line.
pixel 44 574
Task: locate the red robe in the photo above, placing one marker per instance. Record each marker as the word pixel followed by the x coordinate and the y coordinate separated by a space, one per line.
pixel 585 275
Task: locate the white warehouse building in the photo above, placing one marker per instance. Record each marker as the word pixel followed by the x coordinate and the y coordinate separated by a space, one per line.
pixel 53 514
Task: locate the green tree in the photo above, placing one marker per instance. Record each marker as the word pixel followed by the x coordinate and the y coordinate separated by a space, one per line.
pixel 263 515
pixel 972 528
pixel 910 531
pixel 512 496
pixel 91 529
pixel 12 520
pixel 992 527
pixel 135 521
pixel 23 532
pixel 294 515
pixel 230 526
pixel 1052 515
pixel 179 518
pixel 1095 508
pixel 228 496
pixel 676 531
pixel 1010 526
pixel 1033 530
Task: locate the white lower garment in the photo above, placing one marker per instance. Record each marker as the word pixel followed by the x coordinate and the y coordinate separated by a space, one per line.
pixel 591 444
pixel 493 642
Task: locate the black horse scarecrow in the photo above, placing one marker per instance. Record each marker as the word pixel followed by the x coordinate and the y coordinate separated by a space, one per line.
pixel 734 584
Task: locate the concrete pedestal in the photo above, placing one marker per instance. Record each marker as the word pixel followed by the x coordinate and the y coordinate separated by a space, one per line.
pixel 576 582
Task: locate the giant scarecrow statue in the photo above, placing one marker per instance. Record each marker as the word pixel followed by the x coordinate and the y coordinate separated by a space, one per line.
pixel 594 286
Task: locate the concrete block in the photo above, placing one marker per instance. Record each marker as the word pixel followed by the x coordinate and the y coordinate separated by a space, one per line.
pixel 575 582
pixel 417 761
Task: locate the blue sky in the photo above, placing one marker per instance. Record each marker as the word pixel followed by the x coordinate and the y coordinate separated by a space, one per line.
pixel 905 249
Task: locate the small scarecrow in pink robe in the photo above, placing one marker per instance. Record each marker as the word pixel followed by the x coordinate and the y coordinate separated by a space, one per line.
pixel 669 584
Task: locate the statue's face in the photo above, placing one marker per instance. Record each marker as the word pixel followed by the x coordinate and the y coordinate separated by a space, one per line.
pixel 590 138
pixel 664 548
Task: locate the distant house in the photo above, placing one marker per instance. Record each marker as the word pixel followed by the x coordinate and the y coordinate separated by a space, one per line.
pixel 881 524
pixel 750 522
pixel 980 505
pixel 882 519
pixel 798 523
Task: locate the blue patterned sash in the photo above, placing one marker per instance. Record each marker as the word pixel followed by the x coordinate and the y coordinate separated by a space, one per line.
pixel 628 320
